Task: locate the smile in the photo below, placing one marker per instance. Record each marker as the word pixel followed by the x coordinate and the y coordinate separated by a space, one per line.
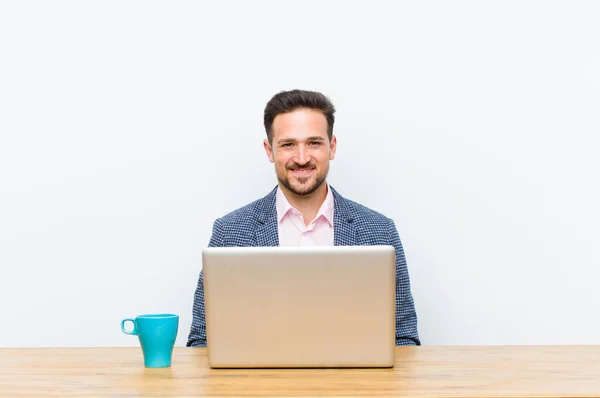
pixel 302 172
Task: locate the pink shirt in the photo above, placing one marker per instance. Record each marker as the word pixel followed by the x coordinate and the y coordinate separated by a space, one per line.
pixel 293 231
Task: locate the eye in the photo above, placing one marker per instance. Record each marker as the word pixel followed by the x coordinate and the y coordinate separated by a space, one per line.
pixel 315 143
pixel 287 144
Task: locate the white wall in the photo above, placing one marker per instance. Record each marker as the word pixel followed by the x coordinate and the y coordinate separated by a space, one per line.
pixel 127 127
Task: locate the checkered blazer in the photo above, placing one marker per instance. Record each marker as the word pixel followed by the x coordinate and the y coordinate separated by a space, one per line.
pixel 354 225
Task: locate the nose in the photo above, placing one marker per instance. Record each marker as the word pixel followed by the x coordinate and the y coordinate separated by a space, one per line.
pixel 302 156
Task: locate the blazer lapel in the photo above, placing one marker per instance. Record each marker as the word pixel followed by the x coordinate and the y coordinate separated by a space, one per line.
pixel 266 233
pixel 344 231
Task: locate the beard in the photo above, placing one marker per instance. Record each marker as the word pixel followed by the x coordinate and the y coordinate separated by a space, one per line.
pixel 302 185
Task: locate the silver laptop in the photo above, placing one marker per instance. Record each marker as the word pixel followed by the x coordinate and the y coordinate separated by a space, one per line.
pixel 271 307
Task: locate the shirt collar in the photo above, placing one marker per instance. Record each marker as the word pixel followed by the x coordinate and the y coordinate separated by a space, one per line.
pixel 283 207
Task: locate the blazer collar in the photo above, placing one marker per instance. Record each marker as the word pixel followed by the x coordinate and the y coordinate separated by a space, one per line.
pixel 267 231
pixel 344 232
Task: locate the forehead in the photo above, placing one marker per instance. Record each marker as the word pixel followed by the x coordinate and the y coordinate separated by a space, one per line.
pixel 300 123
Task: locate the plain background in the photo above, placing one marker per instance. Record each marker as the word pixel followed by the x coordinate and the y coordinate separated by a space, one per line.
pixel 127 127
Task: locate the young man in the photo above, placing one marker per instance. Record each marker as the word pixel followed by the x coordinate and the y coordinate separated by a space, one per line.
pixel 303 210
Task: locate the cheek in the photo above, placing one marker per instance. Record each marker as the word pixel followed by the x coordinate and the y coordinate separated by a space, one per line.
pixel 281 162
pixel 322 157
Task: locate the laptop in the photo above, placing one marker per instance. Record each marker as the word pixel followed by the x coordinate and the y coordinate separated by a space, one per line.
pixel 300 307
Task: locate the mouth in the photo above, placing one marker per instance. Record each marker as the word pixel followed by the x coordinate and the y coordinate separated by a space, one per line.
pixel 303 172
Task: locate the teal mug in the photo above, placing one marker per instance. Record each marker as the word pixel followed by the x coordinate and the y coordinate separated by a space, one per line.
pixel 157 333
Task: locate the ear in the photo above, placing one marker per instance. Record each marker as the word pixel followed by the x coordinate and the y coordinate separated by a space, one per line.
pixel 269 151
pixel 332 147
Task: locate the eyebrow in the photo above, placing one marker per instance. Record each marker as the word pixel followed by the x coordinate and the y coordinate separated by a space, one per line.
pixel 286 140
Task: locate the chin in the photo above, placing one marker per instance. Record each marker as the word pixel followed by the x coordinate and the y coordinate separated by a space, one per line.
pixel 305 189
pixel 300 189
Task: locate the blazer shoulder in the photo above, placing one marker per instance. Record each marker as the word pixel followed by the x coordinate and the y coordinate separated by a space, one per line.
pixel 243 215
pixel 364 214
pixel 372 227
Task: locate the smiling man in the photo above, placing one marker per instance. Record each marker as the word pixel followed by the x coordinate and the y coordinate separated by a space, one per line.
pixel 304 210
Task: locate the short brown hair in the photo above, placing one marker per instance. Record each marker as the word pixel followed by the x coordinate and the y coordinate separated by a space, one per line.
pixel 288 101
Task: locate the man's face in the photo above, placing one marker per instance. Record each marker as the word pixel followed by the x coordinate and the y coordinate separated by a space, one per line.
pixel 301 150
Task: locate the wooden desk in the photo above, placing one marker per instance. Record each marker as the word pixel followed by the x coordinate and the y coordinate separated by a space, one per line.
pixel 419 372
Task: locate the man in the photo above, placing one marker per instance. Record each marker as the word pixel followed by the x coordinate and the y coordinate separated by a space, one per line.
pixel 303 210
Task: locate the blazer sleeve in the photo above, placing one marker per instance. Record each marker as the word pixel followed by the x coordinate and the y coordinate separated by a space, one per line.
pixel 406 316
pixel 197 337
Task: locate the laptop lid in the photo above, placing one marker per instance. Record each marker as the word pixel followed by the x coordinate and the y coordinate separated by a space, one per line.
pixel 326 306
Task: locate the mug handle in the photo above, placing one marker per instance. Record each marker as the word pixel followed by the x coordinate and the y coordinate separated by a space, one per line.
pixel 134 331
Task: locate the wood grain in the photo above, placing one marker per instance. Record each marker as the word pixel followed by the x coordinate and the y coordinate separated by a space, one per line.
pixel 497 371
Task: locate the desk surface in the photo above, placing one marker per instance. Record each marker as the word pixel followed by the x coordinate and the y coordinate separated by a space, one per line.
pixel 497 371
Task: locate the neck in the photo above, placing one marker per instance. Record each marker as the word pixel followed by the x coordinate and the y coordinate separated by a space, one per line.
pixel 308 205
